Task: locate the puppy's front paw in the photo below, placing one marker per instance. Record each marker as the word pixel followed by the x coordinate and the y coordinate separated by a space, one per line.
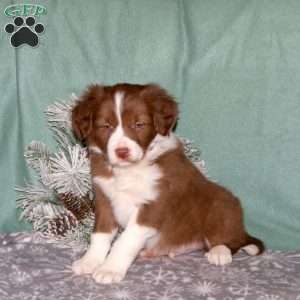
pixel 85 265
pixel 219 255
pixel 107 276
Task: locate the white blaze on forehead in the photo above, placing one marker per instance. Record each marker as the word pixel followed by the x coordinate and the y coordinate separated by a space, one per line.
pixel 119 139
pixel 119 96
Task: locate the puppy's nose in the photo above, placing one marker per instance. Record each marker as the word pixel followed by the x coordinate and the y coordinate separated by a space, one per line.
pixel 122 153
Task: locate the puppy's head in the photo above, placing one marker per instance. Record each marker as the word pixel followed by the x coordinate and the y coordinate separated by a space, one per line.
pixel 122 120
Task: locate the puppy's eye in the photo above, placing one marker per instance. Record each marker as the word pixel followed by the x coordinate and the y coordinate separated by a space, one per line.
pixel 104 126
pixel 139 125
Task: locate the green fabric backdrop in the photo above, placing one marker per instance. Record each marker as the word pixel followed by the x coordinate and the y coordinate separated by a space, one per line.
pixel 233 65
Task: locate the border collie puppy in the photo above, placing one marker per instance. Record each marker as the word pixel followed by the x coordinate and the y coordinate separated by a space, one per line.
pixel 144 183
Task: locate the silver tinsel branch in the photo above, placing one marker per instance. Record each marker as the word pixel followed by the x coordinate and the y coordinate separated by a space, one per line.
pixel 60 204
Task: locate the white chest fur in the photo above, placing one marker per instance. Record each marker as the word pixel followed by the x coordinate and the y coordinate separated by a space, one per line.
pixel 130 187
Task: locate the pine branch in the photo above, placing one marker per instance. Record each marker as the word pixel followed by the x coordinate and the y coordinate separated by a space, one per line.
pixel 71 172
pixel 81 233
pixel 59 113
pixel 64 137
pixel 45 173
pixel 194 154
pixel 36 202
pixel 35 154
pixel 59 122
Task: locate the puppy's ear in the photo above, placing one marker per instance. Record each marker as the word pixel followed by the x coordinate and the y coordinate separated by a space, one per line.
pixel 82 113
pixel 165 109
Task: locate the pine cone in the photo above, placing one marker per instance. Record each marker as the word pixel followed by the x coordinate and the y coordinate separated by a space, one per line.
pixel 61 224
pixel 81 207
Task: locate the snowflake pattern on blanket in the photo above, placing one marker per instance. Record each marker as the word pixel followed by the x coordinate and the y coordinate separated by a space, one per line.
pixel 35 268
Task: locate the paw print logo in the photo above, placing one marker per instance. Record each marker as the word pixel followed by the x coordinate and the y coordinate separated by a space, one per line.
pixel 24 31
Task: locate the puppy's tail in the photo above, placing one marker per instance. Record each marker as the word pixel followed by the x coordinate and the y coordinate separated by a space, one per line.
pixel 253 246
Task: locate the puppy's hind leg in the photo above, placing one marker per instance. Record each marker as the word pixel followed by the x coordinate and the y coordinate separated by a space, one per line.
pixel 224 229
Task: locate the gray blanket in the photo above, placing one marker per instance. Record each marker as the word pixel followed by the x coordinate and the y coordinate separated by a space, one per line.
pixel 34 268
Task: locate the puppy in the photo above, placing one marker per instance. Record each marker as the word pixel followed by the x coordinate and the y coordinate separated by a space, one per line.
pixel 144 183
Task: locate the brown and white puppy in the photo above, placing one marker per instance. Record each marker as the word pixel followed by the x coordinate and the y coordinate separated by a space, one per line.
pixel 144 183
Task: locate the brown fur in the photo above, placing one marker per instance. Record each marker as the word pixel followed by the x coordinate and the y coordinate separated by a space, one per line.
pixel 104 217
pixel 193 209
pixel 190 208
